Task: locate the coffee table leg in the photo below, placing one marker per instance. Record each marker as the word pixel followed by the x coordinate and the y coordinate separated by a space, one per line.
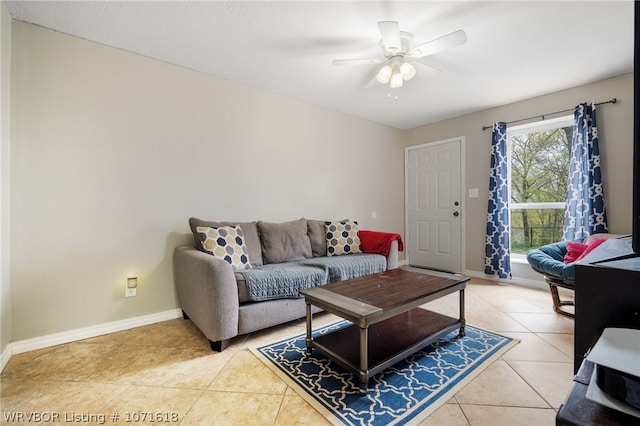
pixel 364 358
pixel 461 332
pixel 309 319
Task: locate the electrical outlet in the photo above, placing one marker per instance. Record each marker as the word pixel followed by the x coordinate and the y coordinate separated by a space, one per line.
pixel 132 287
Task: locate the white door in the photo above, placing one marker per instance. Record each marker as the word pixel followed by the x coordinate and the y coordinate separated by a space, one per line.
pixel 434 205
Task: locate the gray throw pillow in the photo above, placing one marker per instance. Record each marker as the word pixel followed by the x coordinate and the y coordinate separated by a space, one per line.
pixel 284 242
pixel 249 229
pixel 317 237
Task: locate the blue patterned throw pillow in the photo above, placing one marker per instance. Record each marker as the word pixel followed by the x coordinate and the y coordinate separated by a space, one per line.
pixel 342 238
pixel 225 242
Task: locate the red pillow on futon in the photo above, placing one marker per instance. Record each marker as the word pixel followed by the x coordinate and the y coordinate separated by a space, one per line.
pixel 592 245
pixel 574 251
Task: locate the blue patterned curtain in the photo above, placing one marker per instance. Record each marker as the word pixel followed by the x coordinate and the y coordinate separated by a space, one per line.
pixel 584 213
pixel 497 249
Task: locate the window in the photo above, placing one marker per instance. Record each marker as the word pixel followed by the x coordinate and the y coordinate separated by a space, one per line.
pixel 539 173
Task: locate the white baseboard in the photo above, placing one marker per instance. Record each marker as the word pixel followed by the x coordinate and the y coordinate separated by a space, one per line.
pixel 515 280
pixel 115 326
pixel 5 357
pixel 522 281
pixel 87 332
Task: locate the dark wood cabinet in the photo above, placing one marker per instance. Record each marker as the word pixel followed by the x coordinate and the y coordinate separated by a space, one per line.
pixel 607 294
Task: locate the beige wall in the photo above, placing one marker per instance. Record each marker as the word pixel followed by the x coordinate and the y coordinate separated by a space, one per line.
pixel 5 287
pixel 615 126
pixel 113 152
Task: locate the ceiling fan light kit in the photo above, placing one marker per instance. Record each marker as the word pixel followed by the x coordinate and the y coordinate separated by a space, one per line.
pixel 395 46
pixel 384 75
pixel 396 81
pixel 407 70
pixel 395 74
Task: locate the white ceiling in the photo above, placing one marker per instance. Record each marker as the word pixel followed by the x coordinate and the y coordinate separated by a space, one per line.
pixel 515 50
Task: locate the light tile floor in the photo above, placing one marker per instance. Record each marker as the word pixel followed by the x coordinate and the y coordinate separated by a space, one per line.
pixel 169 368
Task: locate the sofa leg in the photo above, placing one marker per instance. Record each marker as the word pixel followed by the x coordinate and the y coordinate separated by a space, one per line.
pixel 184 315
pixel 219 346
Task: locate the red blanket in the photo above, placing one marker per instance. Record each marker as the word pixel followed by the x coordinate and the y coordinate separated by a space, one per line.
pixel 379 242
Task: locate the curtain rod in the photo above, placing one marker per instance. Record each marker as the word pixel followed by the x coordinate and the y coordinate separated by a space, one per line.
pixel 612 101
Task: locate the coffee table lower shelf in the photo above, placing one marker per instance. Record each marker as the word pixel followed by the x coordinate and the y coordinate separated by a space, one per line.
pixel 388 341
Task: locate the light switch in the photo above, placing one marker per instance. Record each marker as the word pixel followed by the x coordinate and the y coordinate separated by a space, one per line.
pixel 473 192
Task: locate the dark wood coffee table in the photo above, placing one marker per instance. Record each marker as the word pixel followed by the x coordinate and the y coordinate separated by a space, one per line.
pixel 388 324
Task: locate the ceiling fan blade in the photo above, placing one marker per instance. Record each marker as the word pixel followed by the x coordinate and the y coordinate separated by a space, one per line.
pixel 357 61
pixel 372 83
pixel 424 70
pixel 390 32
pixel 438 45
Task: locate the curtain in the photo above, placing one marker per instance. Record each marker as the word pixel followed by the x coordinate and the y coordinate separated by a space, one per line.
pixel 584 213
pixel 497 249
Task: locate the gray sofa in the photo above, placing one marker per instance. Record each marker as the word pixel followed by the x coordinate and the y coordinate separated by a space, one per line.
pixel 240 277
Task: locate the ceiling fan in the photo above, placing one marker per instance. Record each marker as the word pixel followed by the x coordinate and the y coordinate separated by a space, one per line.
pixel 398 53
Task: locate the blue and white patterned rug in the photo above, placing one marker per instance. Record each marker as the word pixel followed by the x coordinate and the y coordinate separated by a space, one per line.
pixel 406 393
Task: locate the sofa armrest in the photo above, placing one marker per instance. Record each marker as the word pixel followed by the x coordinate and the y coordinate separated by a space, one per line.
pixel 207 292
pixel 392 256
pixel 384 243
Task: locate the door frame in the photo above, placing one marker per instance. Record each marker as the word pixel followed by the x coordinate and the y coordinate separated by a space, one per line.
pixel 463 195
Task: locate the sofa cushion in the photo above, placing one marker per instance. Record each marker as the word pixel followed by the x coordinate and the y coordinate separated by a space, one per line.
pixel 249 229
pixel 279 280
pixel 284 242
pixel 342 238
pixel 342 268
pixel 225 242
pixel 243 293
pixel 317 236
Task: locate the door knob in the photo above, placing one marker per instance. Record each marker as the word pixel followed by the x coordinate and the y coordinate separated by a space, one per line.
pixel 456 214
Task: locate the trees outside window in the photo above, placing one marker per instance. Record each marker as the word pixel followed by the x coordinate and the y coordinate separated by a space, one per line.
pixel 539 174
